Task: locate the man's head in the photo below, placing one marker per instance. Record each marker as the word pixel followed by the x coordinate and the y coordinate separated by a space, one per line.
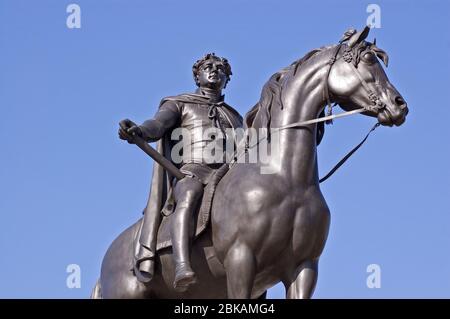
pixel 212 72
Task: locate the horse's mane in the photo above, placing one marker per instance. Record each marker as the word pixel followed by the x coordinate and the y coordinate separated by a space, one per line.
pixel 259 116
pixel 271 93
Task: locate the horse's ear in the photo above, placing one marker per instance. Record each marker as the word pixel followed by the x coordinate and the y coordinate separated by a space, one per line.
pixel 381 54
pixel 358 37
pixel 347 35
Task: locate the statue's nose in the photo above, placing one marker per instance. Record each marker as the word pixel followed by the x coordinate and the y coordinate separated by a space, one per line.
pixel 401 103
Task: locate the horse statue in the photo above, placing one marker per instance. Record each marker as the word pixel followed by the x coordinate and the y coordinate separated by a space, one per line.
pixel 267 228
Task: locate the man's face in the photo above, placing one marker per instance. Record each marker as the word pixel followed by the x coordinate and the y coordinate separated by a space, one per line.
pixel 212 75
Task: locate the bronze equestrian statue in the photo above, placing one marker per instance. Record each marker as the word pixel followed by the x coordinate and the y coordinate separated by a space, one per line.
pixel 263 228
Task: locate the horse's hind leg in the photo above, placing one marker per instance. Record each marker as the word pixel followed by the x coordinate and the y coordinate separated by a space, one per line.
pixel 240 266
pixel 302 282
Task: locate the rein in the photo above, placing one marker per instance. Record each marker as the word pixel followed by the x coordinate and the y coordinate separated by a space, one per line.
pixel 349 154
pixel 318 120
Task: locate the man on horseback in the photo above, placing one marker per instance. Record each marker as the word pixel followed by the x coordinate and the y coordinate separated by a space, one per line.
pixel 195 113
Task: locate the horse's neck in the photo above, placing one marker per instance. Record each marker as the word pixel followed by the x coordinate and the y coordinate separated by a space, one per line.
pixel 303 99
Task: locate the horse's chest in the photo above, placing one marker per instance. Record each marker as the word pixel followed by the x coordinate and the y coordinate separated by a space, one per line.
pixel 310 227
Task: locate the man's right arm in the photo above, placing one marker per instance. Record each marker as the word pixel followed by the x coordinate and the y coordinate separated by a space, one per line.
pixel 166 118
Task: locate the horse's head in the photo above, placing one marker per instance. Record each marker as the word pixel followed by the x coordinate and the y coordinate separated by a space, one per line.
pixel 357 79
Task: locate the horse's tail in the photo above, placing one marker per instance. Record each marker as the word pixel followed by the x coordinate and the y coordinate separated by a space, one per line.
pixel 97 291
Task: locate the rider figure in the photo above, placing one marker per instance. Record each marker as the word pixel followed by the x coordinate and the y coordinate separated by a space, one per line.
pixel 205 109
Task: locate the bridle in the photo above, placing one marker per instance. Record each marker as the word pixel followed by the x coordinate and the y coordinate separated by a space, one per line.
pixel 377 106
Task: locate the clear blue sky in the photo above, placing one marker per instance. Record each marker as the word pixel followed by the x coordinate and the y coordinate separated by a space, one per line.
pixel 69 186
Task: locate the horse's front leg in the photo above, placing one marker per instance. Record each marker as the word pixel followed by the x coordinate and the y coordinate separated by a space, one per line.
pixel 240 266
pixel 302 282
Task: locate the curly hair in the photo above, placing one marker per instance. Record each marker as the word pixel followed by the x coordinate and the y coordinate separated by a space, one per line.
pixel 211 56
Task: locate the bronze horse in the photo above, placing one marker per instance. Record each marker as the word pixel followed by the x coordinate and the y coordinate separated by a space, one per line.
pixel 267 228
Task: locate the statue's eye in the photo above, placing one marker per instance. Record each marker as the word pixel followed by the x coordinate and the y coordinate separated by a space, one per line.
pixel 369 56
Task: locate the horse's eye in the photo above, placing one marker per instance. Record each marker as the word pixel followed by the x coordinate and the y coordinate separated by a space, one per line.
pixel 369 56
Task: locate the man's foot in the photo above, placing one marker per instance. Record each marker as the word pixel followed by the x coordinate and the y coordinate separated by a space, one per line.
pixel 184 277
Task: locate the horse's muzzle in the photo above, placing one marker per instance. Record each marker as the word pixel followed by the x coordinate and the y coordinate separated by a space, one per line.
pixel 394 114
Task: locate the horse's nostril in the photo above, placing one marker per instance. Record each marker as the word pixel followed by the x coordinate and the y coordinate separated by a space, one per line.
pixel 400 101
